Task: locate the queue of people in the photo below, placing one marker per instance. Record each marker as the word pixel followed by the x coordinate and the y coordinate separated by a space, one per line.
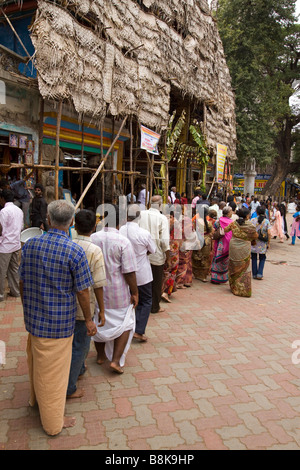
pixel 103 285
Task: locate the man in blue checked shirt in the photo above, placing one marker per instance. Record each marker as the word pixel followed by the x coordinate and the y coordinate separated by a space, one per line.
pixel 53 272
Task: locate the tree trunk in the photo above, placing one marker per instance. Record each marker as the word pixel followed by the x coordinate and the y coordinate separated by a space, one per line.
pixel 282 165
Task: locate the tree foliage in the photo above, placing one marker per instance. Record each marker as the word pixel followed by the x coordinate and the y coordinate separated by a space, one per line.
pixel 261 44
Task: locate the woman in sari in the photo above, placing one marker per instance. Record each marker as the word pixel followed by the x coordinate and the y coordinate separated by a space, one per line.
pixel 184 277
pixel 202 258
pixel 243 233
pixel 219 267
pixel 277 227
pixel 172 262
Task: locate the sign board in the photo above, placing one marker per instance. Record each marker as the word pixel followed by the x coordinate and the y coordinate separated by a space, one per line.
pixel 149 140
pixel 221 158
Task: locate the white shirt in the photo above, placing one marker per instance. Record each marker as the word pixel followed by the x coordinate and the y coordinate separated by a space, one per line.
pixel 254 206
pixel 158 226
pixel 142 243
pixel 142 197
pixel 173 196
pixel 119 259
pixel 12 221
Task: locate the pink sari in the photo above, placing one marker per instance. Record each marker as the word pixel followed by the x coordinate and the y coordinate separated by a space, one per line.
pixel 276 229
pixel 219 268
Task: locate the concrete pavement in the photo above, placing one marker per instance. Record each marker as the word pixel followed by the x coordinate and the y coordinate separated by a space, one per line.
pixel 218 372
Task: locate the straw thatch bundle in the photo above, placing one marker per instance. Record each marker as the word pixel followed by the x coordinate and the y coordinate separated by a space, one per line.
pixel 125 62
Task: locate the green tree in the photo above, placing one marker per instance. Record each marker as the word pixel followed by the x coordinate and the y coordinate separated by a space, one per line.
pixel 261 42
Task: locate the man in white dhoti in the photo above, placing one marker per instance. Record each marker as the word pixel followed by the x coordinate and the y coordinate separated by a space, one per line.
pixel 120 294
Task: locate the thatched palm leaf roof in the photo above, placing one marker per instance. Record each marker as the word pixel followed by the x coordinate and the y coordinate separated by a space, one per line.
pixel 126 60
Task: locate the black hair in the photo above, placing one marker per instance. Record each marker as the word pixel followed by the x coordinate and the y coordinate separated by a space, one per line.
pixel 282 209
pixel 206 211
pixel 8 195
pixel 242 213
pixel 261 212
pixel 85 221
pixel 39 186
pixel 232 204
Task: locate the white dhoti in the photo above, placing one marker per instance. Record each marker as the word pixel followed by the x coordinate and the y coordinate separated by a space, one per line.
pixel 117 321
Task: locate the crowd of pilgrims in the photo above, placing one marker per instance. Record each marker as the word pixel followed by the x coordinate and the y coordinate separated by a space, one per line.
pixel 223 241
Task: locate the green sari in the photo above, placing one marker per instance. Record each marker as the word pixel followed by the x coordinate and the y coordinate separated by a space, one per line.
pixel 240 258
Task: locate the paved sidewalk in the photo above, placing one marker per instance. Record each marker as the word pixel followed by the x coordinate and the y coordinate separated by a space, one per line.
pixel 216 373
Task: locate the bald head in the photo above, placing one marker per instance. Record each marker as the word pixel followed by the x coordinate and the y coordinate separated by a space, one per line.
pixel 156 200
pixel 133 212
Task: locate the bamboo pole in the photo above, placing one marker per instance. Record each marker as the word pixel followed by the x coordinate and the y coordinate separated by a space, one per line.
pixel 15 32
pixel 58 123
pixel 41 128
pixel 101 165
pixel 102 176
pixel 131 163
pixel 113 186
pixel 65 168
pixel 147 186
pixel 82 154
pixel 151 161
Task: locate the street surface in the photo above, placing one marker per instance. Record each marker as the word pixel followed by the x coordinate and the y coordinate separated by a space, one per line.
pixel 218 372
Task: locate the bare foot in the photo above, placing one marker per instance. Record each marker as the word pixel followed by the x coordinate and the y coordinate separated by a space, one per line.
pixel 101 359
pixel 78 394
pixel 116 368
pixel 142 338
pixel 165 297
pixel 69 422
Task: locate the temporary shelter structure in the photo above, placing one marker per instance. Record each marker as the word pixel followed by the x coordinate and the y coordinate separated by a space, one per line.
pixel 130 58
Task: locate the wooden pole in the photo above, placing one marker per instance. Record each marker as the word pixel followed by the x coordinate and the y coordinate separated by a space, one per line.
pixel 131 164
pixel 58 123
pixel 151 161
pixel 211 187
pixel 82 154
pixel 41 127
pixel 102 176
pixel 147 186
pixel 102 164
pixel 113 186
pixel 18 37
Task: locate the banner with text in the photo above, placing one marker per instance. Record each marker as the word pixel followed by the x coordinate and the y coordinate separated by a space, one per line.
pixel 149 140
pixel 221 158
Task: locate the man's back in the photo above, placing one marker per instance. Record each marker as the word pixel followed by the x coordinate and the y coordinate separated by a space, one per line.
pixel 157 224
pixel 53 269
pixel 119 259
pixel 12 222
pixel 142 243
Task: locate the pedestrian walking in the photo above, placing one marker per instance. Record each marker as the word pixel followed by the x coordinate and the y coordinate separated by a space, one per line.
pixel 11 225
pixel 263 228
pixel 295 232
pixel 277 227
pixel 54 271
